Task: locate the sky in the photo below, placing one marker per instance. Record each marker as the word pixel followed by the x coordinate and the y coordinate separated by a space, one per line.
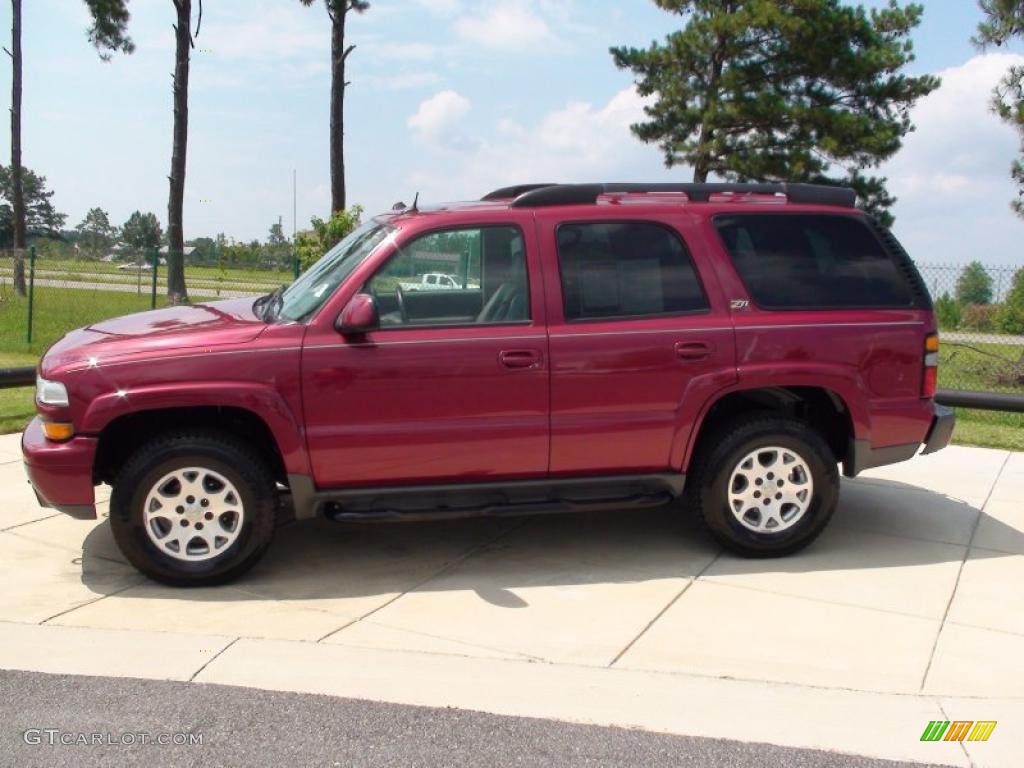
pixel 449 98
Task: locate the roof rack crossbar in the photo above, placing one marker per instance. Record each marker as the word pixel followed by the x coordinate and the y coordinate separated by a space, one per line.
pixel 582 194
pixel 504 193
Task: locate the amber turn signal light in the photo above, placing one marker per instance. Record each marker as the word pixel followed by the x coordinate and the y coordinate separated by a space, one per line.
pixel 931 343
pixel 58 430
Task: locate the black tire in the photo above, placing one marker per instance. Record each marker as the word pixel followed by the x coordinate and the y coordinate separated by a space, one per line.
pixel 216 451
pixel 708 483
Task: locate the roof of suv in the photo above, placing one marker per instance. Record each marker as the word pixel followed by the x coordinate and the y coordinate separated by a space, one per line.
pixel 561 195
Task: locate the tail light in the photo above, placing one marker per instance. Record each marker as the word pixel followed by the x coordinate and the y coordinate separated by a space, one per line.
pixel 930 380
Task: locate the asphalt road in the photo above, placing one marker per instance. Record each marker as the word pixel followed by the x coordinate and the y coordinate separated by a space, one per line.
pixel 242 727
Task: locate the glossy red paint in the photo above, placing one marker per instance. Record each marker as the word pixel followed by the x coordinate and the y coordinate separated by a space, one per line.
pixel 485 402
pixel 416 405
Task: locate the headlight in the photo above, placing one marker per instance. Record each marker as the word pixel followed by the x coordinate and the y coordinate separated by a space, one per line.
pixel 51 392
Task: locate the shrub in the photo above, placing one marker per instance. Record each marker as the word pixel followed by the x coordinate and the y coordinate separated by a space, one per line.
pixel 1011 315
pixel 947 312
pixel 979 317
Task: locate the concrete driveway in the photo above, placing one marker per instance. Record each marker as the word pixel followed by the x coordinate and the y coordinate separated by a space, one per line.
pixel 910 608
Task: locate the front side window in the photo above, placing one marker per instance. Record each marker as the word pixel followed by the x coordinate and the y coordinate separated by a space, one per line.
pixel 812 261
pixel 625 269
pixel 467 276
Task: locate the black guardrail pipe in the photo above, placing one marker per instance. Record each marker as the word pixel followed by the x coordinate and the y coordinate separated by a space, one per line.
pixel 988 401
pixel 17 377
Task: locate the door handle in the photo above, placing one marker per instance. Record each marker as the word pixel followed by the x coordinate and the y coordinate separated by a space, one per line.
pixel 519 358
pixel 693 350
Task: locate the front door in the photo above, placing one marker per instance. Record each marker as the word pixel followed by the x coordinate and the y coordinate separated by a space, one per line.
pixel 453 386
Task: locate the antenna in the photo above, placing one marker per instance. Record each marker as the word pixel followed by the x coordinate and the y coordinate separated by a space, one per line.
pixel 415 200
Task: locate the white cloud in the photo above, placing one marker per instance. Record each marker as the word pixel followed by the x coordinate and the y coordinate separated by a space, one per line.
pixel 578 142
pixel 952 176
pixel 441 7
pixel 404 51
pixel 506 26
pixel 402 81
pixel 438 119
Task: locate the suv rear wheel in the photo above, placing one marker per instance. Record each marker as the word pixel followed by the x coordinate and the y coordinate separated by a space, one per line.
pixel 766 486
pixel 193 508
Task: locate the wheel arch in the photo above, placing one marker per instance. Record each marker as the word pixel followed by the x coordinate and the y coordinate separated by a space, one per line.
pixel 822 408
pixel 125 434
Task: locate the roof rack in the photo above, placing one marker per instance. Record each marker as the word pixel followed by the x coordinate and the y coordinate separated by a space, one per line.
pixel 504 193
pixel 543 195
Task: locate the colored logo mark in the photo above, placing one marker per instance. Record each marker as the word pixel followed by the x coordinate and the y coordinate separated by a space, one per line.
pixel 958 730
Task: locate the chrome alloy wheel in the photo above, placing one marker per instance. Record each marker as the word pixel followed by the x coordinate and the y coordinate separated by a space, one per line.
pixel 193 514
pixel 770 489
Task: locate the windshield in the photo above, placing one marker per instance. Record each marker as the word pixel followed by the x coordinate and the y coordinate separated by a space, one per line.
pixel 307 294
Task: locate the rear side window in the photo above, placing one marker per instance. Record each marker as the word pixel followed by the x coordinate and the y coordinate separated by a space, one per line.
pixel 625 269
pixel 808 261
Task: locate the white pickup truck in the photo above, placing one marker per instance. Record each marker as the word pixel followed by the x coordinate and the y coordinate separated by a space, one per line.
pixel 433 281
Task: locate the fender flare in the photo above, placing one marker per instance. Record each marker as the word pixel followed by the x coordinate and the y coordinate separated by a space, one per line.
pixel 261 400
pixel 839 382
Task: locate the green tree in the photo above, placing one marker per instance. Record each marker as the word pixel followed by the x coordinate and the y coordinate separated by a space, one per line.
pixel 277 252
pixel 110 21
pixel 312 244
pixel 205 250
pixel 1010 318
pixel 1004 20
pixel 781 90
pixel 337 12
pixel 142 231
pixel 41 218
pixel 95 233
pixel 974 286
pixel 109 37
pixel 947 312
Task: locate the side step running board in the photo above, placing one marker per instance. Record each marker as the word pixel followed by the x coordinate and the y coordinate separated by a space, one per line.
pixel 339 513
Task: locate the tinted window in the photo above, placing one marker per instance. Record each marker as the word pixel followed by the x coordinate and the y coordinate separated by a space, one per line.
pixel 455 277
pixel 625 269
pixel 811 261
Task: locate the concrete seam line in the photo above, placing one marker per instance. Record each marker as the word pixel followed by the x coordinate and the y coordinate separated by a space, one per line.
pixel 30 522
pixel 83 556
pixel 442 570
pixel 664 610
pixel 960 570
pixel 821 600
pixel 967 754
pixel 89 602
pixel 212 659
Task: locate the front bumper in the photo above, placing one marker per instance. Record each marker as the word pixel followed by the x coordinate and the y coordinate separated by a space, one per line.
pixel 60 473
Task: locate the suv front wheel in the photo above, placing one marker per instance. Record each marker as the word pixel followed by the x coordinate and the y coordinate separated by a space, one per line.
pixel 193 508
pixel 766 485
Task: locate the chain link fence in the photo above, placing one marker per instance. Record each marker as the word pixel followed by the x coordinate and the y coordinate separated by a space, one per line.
pixel 57 294
pixel 981 325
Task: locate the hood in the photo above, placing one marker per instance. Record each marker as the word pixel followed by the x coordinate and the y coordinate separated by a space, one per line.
pixel 159 331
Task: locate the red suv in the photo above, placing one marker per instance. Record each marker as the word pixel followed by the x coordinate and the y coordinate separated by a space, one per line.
pixel 599 346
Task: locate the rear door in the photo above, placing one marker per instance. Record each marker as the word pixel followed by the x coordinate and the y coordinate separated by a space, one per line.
pixel 639 338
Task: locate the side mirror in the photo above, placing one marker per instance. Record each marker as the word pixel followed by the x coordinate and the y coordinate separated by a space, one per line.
pixel 359 315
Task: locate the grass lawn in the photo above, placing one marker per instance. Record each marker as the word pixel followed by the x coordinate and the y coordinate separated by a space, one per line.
pixel 989 429
pixel 57 311
pixel 16 405
pixel 967 365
